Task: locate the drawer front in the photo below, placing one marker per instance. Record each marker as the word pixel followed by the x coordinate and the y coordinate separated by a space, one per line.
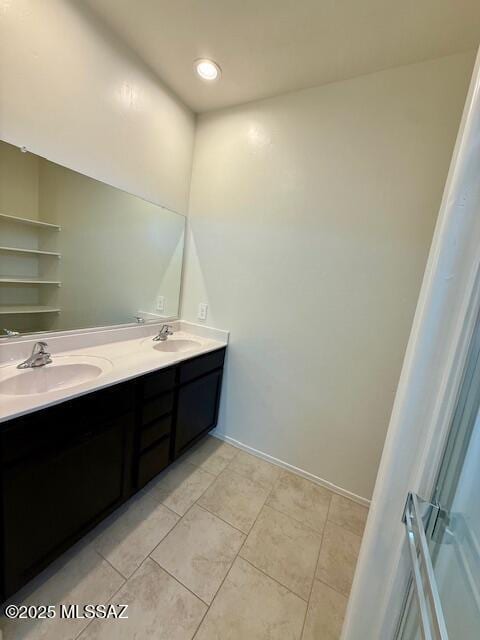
pixel 157 407
pixel 152 461
pixel 156 383
pixel 201 365
pixel 155 431
pixel 53 428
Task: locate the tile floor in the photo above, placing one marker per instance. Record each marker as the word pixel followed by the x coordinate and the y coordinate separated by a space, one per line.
pixel 221 546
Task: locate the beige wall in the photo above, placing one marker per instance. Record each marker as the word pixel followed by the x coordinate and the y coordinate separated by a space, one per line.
pixel 311 216
pixel 74 94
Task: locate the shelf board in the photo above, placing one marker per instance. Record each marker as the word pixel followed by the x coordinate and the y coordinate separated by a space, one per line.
pixel 33 223
pixel 26 308
pixel 31 251
pixel 27 281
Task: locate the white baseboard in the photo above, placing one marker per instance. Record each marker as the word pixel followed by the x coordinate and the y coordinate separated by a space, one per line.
pixel 300 472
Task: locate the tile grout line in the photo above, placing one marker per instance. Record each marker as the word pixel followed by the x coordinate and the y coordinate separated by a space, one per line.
pixel 214 597
pixel 199 466
pixel 242 477
pixel 237 555
pixel 109 600
pixel 300 522
pixel 271 489
pixel 333 588
pixel 179 582
pixel 220 518
pixel 328 520
pixel 315 570
pixel 125 578
pixel 172 529
pixel 274 580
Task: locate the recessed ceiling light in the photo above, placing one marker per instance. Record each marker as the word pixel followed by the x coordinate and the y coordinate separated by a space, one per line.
pixel 207 69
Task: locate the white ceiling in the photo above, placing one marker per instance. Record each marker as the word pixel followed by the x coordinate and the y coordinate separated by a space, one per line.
pixel 268 47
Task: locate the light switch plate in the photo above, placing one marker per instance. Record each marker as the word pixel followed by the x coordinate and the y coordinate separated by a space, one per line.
pixel 202 311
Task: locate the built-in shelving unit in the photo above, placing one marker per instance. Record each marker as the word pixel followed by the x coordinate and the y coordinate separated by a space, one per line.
pixel 34 223
pixel 35 252
pixel 6 310
pixel 32 303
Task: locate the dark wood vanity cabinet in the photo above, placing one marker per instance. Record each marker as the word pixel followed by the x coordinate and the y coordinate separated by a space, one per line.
pixel 62 471
pixel 177 406
pixel 65 468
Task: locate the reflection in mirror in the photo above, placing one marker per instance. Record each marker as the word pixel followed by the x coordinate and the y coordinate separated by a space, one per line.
pixel 76 253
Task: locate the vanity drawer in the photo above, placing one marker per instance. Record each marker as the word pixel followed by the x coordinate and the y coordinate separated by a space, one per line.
pixel 152 461
pixel 156 383
pixel 155 431
pixel 201 365
pixel 157 407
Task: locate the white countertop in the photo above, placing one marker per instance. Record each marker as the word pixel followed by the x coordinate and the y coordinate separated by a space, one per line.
pixel 128 353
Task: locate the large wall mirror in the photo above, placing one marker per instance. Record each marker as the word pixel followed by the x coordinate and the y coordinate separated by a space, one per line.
pixel 76 253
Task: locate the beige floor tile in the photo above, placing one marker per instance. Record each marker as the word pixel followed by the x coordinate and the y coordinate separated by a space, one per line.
pixel 258 470
pixel 252 606
pixel 338 557
pixel 301 499
pixel 181 486
pixel 199 552
pixel 348 514
pixel 81 577
pixel 158 607
pixel 325 613
pixel 285 549
pixel 133 532
pixel 235 499
pixel 211 454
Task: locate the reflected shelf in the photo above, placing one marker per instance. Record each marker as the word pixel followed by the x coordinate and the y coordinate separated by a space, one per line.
pixel 31 251
pixel 28 281
pixel 28 221
pixel 11 310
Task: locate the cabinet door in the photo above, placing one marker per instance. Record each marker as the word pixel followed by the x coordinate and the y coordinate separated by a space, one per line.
pixel 197 409
pixel 52 497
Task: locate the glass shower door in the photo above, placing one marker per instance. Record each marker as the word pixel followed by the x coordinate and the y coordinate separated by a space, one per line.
pixel 446 604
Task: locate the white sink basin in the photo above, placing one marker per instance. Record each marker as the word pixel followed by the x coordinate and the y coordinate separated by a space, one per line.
pixel 172 345
pixel 63 373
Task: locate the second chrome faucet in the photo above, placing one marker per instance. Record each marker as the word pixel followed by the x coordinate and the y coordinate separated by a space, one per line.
pixel 38 358
pixel 164 332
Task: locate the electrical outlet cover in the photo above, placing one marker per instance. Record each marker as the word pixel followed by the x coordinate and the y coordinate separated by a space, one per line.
pixel 202 311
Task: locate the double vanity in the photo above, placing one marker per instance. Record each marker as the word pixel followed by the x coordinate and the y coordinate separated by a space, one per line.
pixel 83 433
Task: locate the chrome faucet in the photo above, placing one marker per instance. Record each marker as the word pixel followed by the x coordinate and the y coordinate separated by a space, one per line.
pixel 38 358
pixel 164 332
pixel 9 333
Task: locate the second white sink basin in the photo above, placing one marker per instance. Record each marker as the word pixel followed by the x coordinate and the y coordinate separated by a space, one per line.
pixel 63 373
pixel 173 345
